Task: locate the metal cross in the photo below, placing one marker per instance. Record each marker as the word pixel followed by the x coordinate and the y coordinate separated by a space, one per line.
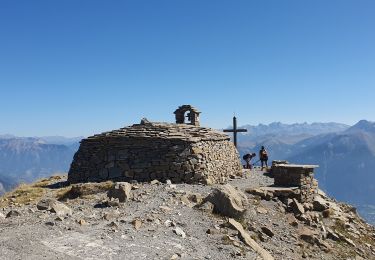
pixel 235 131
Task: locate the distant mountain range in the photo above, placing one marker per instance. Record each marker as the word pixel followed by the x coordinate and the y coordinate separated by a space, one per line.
pixel 24 159
pixel 346 156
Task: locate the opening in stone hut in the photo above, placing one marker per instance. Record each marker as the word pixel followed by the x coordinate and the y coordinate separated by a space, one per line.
pixel 181 152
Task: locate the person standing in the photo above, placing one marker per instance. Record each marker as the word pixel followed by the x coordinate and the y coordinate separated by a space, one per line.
pixel 263 156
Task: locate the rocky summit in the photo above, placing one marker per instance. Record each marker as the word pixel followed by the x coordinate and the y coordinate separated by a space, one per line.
pixel 177 191
pixel 246 218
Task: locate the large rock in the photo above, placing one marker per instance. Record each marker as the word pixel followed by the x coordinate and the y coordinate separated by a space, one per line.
pixel 120 191
pixel 228 201
pixel 264 254
pixel 45 204
pixel 297 207
pixel 307 235
pixel 54 206
pixel 320 204
pixel 60 209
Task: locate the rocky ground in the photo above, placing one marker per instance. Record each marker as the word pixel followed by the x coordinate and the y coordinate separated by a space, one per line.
pixel 48 220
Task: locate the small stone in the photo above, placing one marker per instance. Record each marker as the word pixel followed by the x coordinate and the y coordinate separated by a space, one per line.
pixel 292 220
pixel 82 222
pixel 154 182
pixel 165 208
pixel 13 213
pixel 168 182
pixel 108 216
pixel 112 203
pixel 174 257
pixel 2 216
pixel 169 223
pixel 59 218
pixel 268 231
pixel 137 223
pixel 206 207
pixel 212 231
pixel 261 210
pixel 50 223
pixel 185 200
pixel 178 231
pixel 113 225
pixel 196 198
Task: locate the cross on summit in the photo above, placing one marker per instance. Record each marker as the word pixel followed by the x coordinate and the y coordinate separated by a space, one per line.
pixel 235 131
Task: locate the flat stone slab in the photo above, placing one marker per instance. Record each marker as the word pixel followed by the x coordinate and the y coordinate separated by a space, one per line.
pixel 279 189
pixel 297 166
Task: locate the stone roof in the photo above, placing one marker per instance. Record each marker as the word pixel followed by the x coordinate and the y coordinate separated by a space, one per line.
pixel 185 132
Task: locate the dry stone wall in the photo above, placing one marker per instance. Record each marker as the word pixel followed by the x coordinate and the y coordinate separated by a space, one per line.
pixel 301 176
pixel 151 151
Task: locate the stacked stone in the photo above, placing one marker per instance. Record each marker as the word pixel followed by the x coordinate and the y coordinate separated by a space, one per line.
pixel 148 151
pixel 301 176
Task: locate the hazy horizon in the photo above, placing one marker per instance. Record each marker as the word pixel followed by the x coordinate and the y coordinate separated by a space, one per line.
pixel 229 125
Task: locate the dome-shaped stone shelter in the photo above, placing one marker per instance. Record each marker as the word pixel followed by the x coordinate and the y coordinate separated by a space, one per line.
pixel 147 151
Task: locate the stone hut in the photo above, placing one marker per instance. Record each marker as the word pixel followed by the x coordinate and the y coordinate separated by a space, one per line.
pixel 181 152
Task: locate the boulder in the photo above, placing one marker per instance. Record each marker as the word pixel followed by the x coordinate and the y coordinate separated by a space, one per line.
pixel 60 209
pixel 2 216
pixel 260 192
pixel 327 213
pixel 320 204
pixel 264 254
pixel 307 235
pixel 45 204
pixel 228 201
pixel 120 191
pixel 54 206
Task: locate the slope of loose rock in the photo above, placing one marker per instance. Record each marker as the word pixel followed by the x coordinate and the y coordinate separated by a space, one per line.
pixel 167 221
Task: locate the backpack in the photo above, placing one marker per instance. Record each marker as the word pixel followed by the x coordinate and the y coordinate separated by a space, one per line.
pixel 264 153
pixel 246 157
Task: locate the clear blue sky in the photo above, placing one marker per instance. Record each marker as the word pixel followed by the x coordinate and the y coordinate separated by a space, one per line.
pixel 81 67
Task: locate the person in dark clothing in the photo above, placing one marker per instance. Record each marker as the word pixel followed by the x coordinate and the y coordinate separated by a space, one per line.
pixel 247 157
pixel 263 156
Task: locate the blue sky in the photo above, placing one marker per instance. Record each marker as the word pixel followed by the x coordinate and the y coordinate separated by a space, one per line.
pixel 81 67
